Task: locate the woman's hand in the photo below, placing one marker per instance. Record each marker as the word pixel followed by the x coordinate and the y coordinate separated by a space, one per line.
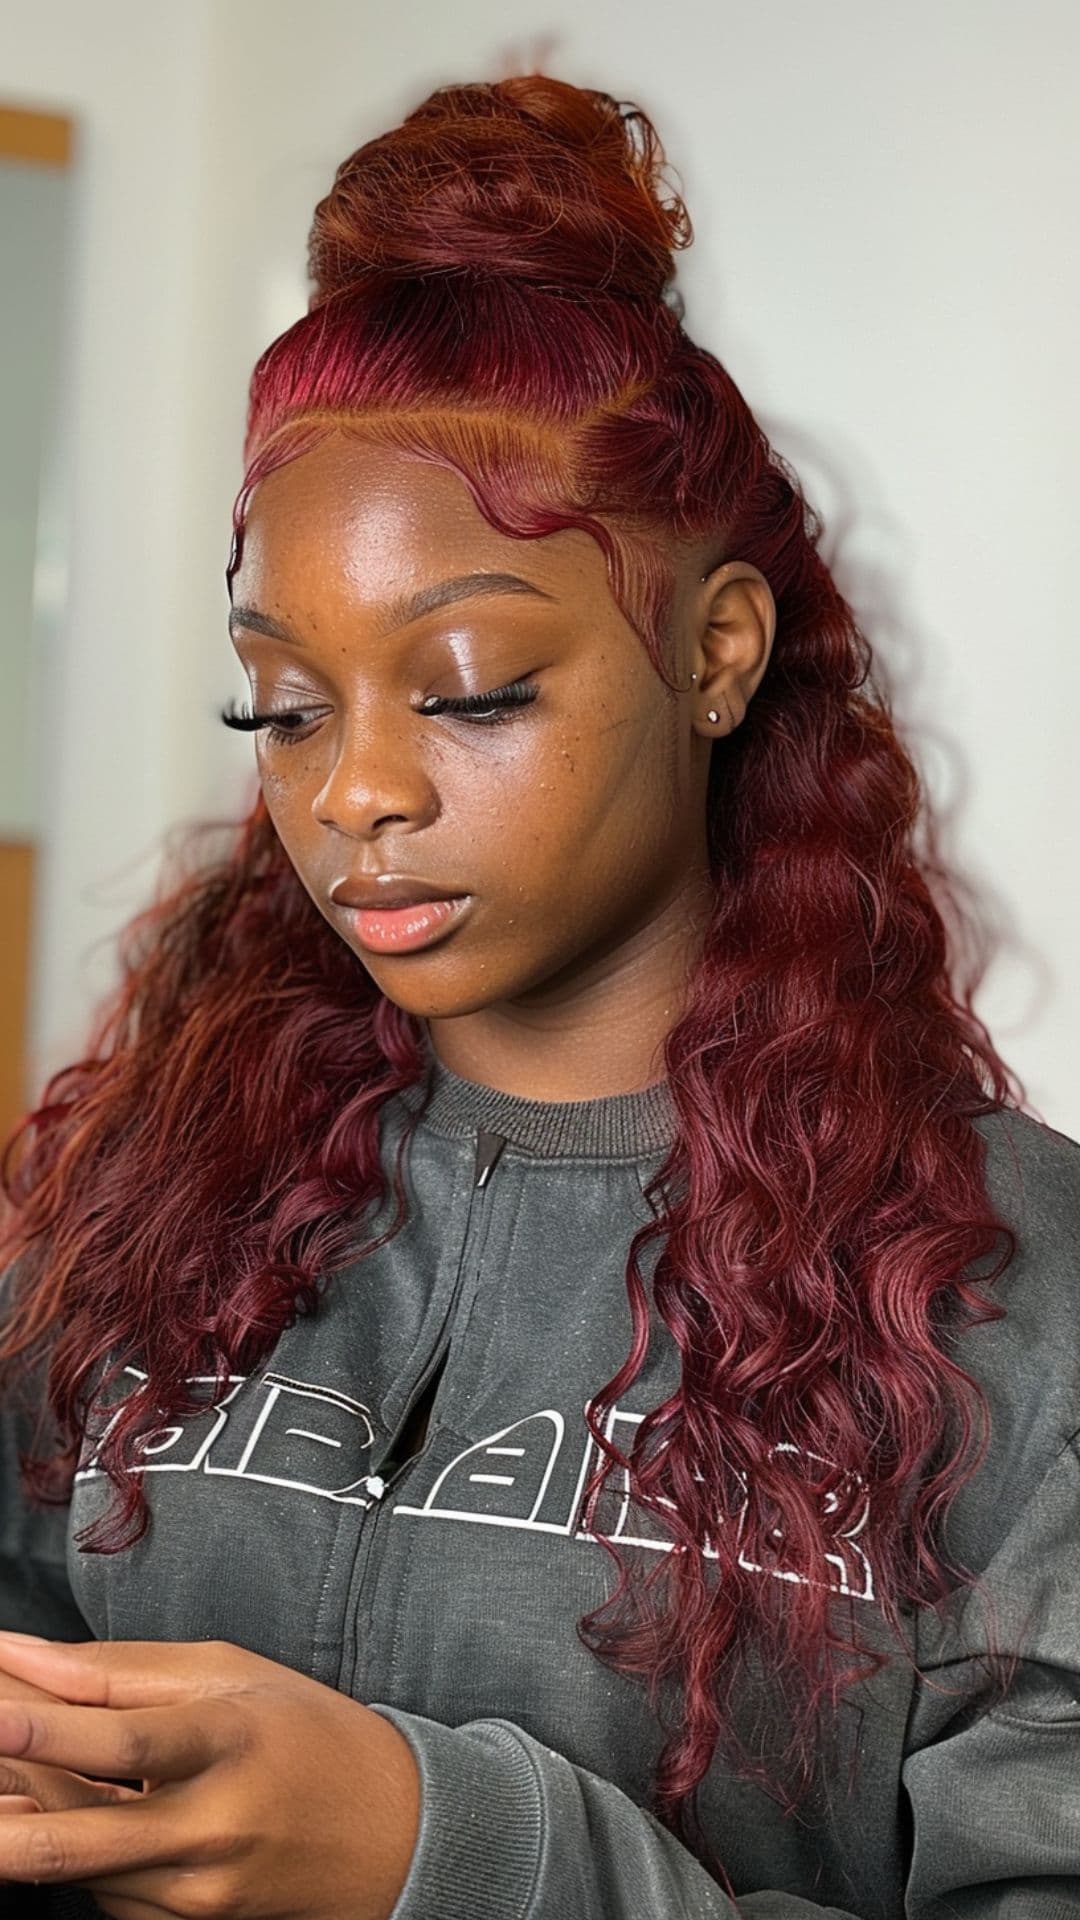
pixel 267 1793
pixel 29 1788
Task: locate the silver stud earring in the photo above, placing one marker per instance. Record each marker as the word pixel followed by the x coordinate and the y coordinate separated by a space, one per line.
pixel 693 676
pixel 713 715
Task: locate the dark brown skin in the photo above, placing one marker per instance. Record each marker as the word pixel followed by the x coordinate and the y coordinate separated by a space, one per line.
pixel 25 1785
pixel 577 824
pixel 223 1740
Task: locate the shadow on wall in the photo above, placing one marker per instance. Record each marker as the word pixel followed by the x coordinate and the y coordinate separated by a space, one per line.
pixel 861 546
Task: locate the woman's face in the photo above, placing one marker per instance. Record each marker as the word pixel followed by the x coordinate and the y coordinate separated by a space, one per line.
pixel 570 828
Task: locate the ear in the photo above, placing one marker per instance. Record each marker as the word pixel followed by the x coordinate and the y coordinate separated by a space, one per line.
pixel 734 623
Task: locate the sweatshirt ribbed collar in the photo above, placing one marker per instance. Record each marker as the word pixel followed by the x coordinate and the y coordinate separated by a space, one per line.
pixel 612 1126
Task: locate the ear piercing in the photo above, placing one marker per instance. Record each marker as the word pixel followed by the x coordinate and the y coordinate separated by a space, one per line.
pixel 712 714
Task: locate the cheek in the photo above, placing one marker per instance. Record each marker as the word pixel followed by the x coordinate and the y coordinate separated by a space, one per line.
pixel 624 816
pixel 288 793
pixel 585 804
pixel 279 793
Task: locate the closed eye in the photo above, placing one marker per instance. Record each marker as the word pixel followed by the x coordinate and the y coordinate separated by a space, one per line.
pixel 484 709
pixel 488 707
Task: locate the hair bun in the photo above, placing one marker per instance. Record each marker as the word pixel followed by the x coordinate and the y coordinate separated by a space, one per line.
pixel 526 178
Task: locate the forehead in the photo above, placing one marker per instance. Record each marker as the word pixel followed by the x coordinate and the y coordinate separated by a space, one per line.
pixel 354 515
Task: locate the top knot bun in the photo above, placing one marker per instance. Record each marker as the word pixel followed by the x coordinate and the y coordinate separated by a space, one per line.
pixel 526 178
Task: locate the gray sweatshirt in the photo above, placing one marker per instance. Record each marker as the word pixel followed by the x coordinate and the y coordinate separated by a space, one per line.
pixel 443 1589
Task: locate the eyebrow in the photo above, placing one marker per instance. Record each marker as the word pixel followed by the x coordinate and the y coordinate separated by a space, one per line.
pixel 408 607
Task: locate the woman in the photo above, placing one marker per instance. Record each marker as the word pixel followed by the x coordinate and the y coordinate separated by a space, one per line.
pixel 580 1327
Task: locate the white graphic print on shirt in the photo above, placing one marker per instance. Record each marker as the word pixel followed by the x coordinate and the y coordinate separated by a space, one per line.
pixel 504 1480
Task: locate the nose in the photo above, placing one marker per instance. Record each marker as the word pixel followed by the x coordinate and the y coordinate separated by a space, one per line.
pixel 373 782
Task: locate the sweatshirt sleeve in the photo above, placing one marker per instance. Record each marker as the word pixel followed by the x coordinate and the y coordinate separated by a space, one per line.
pixel 35 1593
pixel 994 1789
pixel 510 1830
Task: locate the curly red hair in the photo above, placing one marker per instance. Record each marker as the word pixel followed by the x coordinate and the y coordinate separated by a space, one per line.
pixel 493 292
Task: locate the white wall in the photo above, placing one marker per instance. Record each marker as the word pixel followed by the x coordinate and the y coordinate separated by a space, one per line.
pixel 33 236
pixel 133 79
pixel 884 203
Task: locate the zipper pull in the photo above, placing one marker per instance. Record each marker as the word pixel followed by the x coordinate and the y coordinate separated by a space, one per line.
pixel 488 1148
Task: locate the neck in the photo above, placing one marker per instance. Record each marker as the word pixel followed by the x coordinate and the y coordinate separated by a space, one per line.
pixel 629 1125
pixel 599 1034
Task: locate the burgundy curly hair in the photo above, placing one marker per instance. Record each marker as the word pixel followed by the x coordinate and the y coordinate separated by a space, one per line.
pixel 493 292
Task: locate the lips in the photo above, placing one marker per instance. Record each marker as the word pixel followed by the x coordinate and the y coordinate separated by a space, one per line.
pixel 388 891
pixel 401 930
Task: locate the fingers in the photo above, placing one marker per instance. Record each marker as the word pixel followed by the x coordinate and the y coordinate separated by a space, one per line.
pixel 92 1842
pixel 136 1673
pixel 19 1803
pixel 12 1688
pixel 132 1743
pixel 53 1789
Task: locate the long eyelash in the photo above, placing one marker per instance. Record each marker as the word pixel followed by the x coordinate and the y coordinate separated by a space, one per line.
pixel 274 723
pixel 518 693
